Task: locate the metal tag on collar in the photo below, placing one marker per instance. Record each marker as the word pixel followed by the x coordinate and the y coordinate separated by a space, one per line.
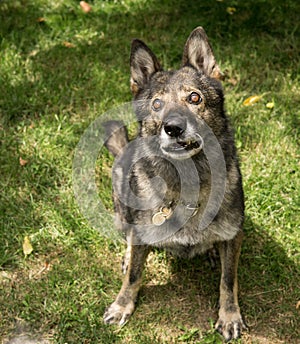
pixel 161 216
pixel 158 219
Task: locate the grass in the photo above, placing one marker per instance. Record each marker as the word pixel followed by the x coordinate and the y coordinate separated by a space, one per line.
pixel 60 68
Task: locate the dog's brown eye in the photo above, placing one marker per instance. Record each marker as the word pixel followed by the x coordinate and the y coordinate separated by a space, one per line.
pixel 157 104
pixel 194 98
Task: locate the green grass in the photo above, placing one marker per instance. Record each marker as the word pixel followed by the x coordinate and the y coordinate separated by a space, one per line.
pixel 51 91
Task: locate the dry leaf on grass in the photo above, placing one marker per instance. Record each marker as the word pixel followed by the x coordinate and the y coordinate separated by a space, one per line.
pixel 233 81
pixel 27 247
pixel 22 161
pixel 270 105
pixel 85 6
pixel 68 44
pixel 251 100
pixel 41 20
pixel 231 10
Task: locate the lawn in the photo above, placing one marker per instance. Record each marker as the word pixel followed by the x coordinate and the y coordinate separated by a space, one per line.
pixel 60 69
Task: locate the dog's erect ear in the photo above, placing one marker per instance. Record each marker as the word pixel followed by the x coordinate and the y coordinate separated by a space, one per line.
pixel 143 63
pixel 199 54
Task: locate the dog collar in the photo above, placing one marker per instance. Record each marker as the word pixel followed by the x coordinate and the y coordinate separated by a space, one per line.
pixel 165 213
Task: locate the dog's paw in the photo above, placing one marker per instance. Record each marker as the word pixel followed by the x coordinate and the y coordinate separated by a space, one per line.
pixel 230 325
pixel 117 314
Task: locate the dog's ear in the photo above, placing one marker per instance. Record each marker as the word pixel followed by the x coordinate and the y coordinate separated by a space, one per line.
pixel 199 54
pixel 143 63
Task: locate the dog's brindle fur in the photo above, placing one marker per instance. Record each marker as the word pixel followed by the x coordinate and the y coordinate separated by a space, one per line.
pixel 162 98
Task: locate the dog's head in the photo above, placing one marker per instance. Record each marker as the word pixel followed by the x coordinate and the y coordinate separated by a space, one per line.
pixel 173 105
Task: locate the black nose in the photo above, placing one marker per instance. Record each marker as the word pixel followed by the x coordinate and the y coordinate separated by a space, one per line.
pixel 175 125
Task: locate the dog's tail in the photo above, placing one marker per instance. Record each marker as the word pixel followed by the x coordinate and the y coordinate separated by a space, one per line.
pixel 116 136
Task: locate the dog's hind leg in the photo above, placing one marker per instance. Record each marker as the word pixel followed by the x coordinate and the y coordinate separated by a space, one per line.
pixel 121 309
pixel 230 323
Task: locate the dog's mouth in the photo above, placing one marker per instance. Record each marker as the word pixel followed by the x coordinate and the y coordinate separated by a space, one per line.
pixel 188 146
pixel 184 145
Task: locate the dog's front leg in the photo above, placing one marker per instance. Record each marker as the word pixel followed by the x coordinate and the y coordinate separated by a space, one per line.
pixel 230 322
pixel 121 309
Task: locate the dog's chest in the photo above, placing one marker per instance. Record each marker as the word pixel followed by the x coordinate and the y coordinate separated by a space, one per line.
pixel 167 206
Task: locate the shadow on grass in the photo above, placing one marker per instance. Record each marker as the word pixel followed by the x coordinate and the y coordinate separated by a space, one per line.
pixel 269 283
pixel 268 289
pixel 64 77
pixel 77 294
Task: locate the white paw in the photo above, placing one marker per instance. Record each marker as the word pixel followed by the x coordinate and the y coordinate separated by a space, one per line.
pixel 117 314
pixel 230 325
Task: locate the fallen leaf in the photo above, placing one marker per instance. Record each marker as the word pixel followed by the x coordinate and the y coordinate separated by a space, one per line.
pixel 33 52
pixel 270 105
pixel 27 247
pixel 69 45
pixel 233 81
pixel 41 20
pixel 251 100
pixel 85 6
pixel 231 10
pixel 298 305
pixel 23 162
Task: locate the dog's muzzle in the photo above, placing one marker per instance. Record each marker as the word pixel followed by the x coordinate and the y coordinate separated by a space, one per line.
pixel 177 139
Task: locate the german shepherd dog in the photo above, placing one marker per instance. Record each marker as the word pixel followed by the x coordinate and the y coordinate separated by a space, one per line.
pixel 178 184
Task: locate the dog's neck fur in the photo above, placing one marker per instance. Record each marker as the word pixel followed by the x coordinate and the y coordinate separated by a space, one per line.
pixel 176 178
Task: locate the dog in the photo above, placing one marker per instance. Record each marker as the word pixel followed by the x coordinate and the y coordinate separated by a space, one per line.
pixel 178 185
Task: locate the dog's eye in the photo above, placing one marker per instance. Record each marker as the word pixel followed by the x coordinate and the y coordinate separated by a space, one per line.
pixel 194 98
pixel 157 104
